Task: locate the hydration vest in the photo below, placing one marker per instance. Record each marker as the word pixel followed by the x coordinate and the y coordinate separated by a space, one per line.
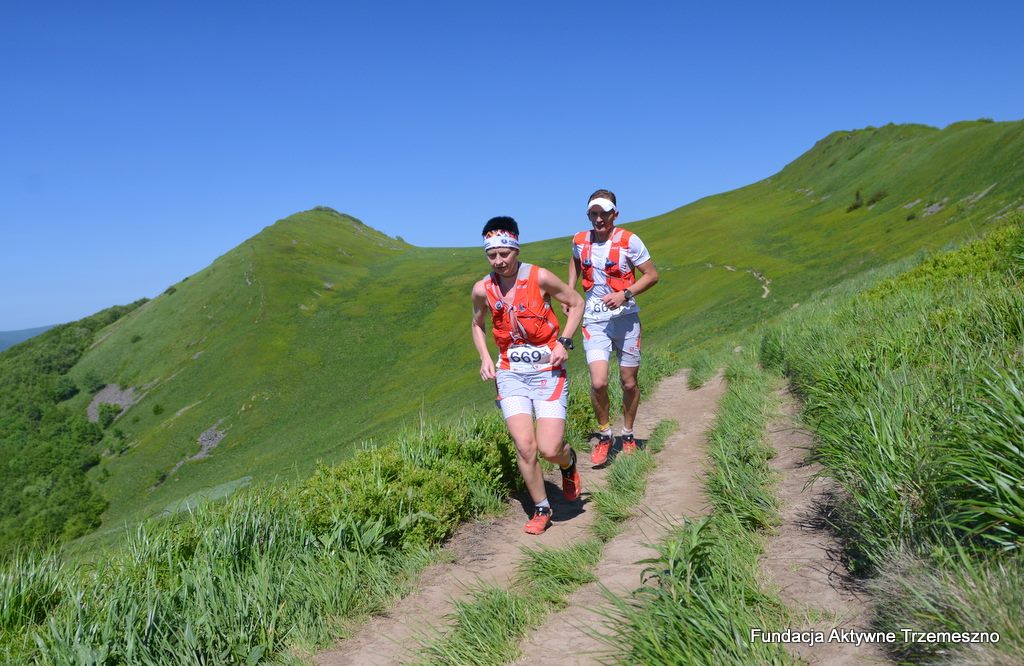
pixel 615 278
pixel 527 320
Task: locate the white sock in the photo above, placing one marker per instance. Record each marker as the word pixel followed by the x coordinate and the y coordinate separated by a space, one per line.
pixel 544 504
pixel 626 432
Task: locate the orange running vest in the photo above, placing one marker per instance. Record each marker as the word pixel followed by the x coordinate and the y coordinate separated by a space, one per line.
pixel 527 320
pixel 614 276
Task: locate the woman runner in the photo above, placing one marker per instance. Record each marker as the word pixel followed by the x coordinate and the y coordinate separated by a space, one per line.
pixel 530 373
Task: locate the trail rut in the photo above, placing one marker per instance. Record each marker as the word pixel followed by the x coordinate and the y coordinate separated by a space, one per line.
pixel 674 490
pixel 489 551
pixel 802 558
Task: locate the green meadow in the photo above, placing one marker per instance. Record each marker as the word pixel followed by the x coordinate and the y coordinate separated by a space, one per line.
pixel 320 340
pixel 320 333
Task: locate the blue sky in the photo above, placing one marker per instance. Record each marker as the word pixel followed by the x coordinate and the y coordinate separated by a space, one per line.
pixel 140 141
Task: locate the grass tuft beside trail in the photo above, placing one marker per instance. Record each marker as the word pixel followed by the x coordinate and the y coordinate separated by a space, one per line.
pixel 701 595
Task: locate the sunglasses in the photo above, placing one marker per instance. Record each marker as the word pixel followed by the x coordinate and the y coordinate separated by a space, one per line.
pixel 600 214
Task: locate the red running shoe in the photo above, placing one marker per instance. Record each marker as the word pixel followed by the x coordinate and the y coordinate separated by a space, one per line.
pixel 599 455
pixel 541 521
pixel 628 444
pixel 571 485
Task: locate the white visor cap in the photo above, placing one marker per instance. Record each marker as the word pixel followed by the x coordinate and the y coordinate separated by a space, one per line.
pixel 605 204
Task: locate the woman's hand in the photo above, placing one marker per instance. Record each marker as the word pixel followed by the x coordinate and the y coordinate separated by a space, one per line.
pixel 487 369
pixel 559 355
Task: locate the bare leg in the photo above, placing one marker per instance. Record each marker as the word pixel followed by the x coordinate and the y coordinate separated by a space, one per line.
pixel 630 395
pixel 551 441
pixel 520 426
pixel 599 390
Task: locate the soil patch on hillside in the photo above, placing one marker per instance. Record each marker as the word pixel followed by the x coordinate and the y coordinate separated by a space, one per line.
pixel 111 394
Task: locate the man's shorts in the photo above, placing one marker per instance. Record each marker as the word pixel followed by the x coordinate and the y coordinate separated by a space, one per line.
pixel 543 393
pixel 621 333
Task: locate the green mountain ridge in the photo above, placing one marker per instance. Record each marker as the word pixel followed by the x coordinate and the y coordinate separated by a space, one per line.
pixel 319 332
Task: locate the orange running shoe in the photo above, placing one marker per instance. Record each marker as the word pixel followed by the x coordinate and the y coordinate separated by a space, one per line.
pixel 599 455
pixel 541 521
pixel 571 485
pixel 628 444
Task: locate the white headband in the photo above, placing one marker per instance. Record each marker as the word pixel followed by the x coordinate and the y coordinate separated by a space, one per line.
pixel 500 238
pixel 605 204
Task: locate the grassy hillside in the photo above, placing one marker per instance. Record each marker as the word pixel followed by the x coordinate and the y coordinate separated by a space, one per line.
pixel 320 332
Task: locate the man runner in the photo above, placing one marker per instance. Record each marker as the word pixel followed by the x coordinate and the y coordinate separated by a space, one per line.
pixel 530 375
pixel 606 258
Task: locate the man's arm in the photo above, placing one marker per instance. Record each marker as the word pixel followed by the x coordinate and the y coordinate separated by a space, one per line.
pixel 574 271
pixel 571 301
pixel 479 335
pixel 574 276
pixel 647 280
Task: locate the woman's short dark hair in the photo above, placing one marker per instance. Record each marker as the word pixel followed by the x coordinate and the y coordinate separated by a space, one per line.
pixel 502 223
pixel 606 194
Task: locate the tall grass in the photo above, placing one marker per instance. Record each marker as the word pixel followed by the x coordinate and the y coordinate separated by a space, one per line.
pixel 271 569
pixel 915 392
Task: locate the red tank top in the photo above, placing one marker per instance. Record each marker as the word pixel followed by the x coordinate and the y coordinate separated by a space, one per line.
pixel 522 322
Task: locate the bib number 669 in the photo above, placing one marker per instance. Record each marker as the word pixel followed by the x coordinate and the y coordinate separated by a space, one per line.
pixel 525 356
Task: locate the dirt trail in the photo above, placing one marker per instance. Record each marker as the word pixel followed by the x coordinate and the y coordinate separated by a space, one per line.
pixel 802 559
pixel 674 490
pixel 489 551
pixel 481 552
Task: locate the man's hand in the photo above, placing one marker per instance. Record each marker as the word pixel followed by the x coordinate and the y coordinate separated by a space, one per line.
pixel 565 309
pixel 559 354
pixel 487 369
pixel 615 300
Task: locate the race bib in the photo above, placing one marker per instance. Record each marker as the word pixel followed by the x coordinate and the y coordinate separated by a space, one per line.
pixel 596 310
pixel 528 358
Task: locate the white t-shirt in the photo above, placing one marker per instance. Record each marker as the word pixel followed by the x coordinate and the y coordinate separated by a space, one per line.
pixel 634 255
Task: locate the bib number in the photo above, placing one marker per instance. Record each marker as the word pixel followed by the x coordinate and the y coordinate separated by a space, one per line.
pixel 528 358
pixel 596 309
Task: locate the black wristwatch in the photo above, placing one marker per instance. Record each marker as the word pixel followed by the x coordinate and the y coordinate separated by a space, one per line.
pixel 628 294
pixel 567 343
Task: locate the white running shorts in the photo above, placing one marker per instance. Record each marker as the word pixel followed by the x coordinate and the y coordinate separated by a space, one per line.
pixel 619 333
pixel 545 394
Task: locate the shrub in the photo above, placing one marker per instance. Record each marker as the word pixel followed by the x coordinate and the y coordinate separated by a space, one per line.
pixel 170 290
pixel 877 196
pixel 857 203
pixel 158 409
pixel 64 388
pixel 136 338
pixel 108 412
pixel 92 382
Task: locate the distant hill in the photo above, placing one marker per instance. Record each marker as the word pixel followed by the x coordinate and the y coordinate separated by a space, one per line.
pixel 11 338
pixel 320 332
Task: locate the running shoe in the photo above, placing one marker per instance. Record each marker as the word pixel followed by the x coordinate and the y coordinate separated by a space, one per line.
pixel 599 455
pixel 541 521
pixel 571 485
pixel 628 444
